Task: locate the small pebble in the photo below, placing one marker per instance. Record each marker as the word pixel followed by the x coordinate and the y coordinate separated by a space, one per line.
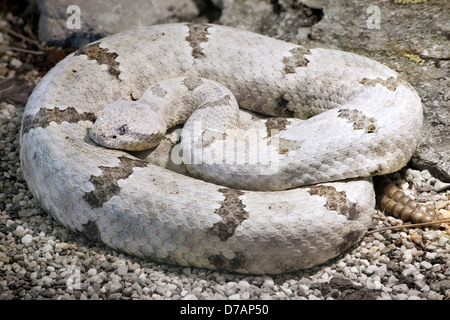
pixel 415 237
pixel 430 255
pixel 122 270
pixel 16 63
pixel 20 231
pixel 27 239
pixel 426 265
pixel 92 272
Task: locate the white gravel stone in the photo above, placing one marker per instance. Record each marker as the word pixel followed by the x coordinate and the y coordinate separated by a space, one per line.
pixel 20 231
pixel 400 288
pixel 122 269
pixel 268 282
pixel 430 255
pixel 433 295
pixel 16 63
pixel 27 239
pixel 244 285
pixel 92 272
pixel 46 248
pixel 443 241
pixel 235 296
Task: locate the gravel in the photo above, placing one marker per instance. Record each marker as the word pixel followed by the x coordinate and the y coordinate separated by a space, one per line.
pixel 40 259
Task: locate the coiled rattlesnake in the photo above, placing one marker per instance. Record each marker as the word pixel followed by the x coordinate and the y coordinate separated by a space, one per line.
pixel 363 120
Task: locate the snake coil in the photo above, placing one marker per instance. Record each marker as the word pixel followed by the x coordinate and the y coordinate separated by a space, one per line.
pixel 358 118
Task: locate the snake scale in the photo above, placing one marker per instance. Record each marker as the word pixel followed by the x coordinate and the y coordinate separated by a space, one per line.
pixel 358 119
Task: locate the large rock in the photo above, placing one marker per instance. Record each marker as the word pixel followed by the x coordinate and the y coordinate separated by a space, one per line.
pixel 410 38
pixel 104 17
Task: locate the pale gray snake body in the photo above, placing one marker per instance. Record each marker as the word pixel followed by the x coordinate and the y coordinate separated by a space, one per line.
pixel 364 120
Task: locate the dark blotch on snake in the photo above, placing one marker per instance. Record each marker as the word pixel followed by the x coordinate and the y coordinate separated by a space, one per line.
pixel 45 116
pixel 102 56
pixel 158 91
pixel 225 100
pixel 222 263
pixel 90 230
pixel 336 201
pixel 281 109
pixel 232 211
pixel 296 60
pixel 390 83
pixel 192 83
pixel 106 184
pixel 349 239
pixel 197 35
pixel 275 125
pixel 358 119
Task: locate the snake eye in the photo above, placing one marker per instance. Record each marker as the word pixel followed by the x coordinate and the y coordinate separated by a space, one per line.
pixel 123 129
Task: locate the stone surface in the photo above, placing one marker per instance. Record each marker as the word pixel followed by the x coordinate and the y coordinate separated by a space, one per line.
pixel 103 17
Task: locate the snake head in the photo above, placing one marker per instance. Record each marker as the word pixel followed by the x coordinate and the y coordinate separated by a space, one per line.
pixel 128 125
